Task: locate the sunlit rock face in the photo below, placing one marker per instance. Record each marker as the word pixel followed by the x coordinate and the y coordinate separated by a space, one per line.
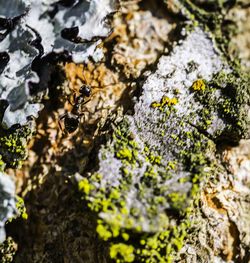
pixel 163 189
pixel 151 171
pixel 164 127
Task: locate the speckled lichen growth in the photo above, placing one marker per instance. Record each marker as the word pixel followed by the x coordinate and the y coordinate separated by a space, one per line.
pixel 162 183
pixel 13 145
pixel 151 171
pixel 8 250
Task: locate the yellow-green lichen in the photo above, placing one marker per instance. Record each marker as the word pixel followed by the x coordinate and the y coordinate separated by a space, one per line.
pixel 21 208
pixel 162 246
pixel 165 101
pixel 84 186
pixel 198 85
pixel 177 199
pixel 233 91
pixel 13 145
pixel 122 253
pixel 2 164
pixel 103 232
pixel 8 250
pixel 184 153
pixel 156 227
pixel 125 153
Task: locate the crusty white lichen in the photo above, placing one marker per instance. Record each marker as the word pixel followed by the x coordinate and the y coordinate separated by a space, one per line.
pixel 151 171
pixel 162 134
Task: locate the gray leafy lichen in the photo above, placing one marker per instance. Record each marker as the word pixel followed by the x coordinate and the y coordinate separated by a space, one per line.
pixel 31 34
pixel 36 29
pixel 151 171
pixel 7 202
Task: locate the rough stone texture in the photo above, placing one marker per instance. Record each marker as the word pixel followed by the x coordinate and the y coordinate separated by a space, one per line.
pixel 147 126
pixel 148 31
pixel 240 42
pixel 166 187
pixel 54 154
pixel 150 171
pixel 223 218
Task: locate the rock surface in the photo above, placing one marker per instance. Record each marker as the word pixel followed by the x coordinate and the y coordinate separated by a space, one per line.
pixel 157 151
pixel 151 171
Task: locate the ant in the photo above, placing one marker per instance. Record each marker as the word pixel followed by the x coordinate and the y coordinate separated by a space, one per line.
pixel 71 120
